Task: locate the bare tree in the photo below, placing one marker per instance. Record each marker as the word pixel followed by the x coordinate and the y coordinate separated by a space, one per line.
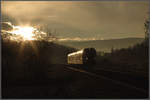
pixel 146 26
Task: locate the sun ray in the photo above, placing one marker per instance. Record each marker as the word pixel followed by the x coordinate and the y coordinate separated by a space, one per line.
pixel 25 32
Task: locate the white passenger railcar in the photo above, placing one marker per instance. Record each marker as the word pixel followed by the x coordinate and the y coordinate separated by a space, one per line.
pixel 84 56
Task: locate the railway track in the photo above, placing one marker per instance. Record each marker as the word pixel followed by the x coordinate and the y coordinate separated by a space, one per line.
pixel 65 81
pixel 121 79
pixel 132 79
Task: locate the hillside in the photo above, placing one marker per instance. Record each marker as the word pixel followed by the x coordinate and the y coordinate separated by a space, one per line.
pixel 31 59
pixel 133 59
pixel 103 45
pixel 29 70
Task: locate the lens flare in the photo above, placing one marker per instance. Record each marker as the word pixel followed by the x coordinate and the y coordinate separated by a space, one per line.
pixel 27 33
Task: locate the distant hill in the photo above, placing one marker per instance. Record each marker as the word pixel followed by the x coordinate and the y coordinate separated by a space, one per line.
pixel 103 45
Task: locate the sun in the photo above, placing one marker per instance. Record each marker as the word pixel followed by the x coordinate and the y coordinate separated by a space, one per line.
pixel 25 32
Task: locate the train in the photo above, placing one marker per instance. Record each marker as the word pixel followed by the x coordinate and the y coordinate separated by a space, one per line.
pixel 82 57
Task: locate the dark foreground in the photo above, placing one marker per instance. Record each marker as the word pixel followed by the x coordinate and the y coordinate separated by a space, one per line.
pixel 64 82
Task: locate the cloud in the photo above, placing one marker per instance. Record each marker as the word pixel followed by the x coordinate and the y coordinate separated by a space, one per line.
pixel 78 39
pixel 109 19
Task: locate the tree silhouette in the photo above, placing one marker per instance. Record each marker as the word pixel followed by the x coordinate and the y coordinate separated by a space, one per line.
pixel 146 26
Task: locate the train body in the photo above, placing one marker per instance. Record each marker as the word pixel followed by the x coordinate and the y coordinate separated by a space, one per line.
pixel 84 56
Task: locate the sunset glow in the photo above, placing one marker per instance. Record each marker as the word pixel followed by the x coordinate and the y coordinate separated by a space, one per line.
pixel 25 32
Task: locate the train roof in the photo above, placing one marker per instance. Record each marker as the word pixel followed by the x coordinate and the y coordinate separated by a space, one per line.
pixel 78 52
pixel 81 51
